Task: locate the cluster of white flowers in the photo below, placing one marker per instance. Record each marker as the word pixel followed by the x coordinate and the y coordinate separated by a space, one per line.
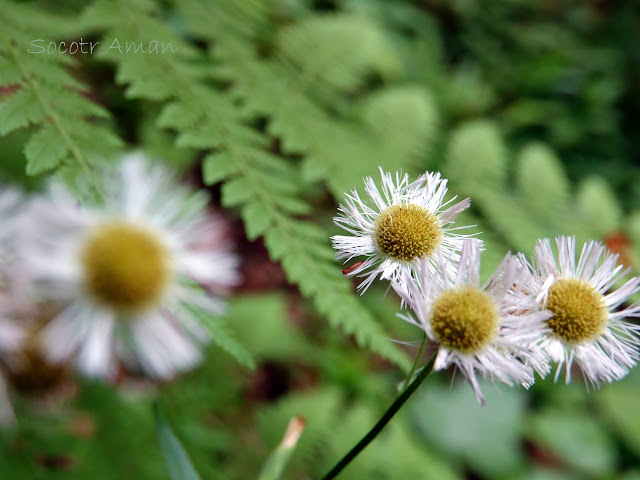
pixel 527 315
pixel 125 283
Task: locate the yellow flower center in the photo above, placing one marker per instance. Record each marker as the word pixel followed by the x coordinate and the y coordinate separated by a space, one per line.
pixel 125 266
pixel 464 319
pixel 579 310
pixel 406 232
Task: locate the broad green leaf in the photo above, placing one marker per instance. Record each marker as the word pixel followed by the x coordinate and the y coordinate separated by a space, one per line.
pixel 486 437
pixel 576 438
pixel 618 403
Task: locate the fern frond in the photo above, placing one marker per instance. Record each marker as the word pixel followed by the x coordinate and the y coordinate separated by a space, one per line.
pixel 540 206
pixel 262 184
pixel 44 94
pixel 338 49
pixel 338 147
pixel 598 207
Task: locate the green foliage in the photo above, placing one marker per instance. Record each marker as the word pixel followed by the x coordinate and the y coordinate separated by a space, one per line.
pixel 541 179
pixel 598 206
pixel 351 47
pixel 579 441
pixel 41 92
pixel 334 425
pixel 443 416
pixel 617 403
pixel 178 463
pixel 287 88
pixel 529 108
pixel 537 203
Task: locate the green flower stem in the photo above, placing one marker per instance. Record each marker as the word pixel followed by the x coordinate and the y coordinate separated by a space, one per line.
pixel 423 373
pixel 416 362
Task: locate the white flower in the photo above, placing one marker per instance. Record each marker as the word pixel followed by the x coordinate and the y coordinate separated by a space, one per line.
pixel 586 326
pixel 407 221
pixel 480 329
pixel 134 272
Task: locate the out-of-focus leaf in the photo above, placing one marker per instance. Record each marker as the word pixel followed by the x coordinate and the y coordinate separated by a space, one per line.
pixel 575 438
pixel 178 463
pixel 487 438
pixel 619 404
pixel 598 206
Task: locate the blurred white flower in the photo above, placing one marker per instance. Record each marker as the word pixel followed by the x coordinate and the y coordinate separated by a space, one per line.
pixel 480 329
pixel 406 222
pixel 586 325
pixel 135 272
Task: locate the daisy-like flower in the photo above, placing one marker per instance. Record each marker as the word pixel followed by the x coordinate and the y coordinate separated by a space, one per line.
pixel 136 273
pixel 480 329
pixel 406 222
pixel 586 325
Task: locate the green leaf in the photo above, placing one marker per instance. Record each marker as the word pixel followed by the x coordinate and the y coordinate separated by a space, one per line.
pixel 223 339
pixel 487 437
pixel 19 110
pixel 44 150
pixel 217 166
pixel 618 404
pixel 257 219
pixel 263 323
pixel 578 439
pixel 237 191
pixel 178 463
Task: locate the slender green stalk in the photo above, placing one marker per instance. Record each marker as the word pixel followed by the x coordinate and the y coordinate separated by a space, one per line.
pixel 423 373
pixel 416 362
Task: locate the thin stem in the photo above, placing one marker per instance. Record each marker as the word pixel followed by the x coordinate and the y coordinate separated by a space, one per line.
pixel 416 362
pixel 423 373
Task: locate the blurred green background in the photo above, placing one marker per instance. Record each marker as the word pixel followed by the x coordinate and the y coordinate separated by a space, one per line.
pixel 529 107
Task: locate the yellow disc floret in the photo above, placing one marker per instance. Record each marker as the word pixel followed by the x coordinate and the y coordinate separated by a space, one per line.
pixel 464 319
pixel 579 310
pixel 406 232
pixel 125 266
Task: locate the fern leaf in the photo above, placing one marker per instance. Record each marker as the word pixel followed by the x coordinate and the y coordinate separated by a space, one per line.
pixel 542 182
pixel 351 46
pixel 251 173
pixel 45 95
pixel 477 155
pixel 598 207
pixel 289 86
